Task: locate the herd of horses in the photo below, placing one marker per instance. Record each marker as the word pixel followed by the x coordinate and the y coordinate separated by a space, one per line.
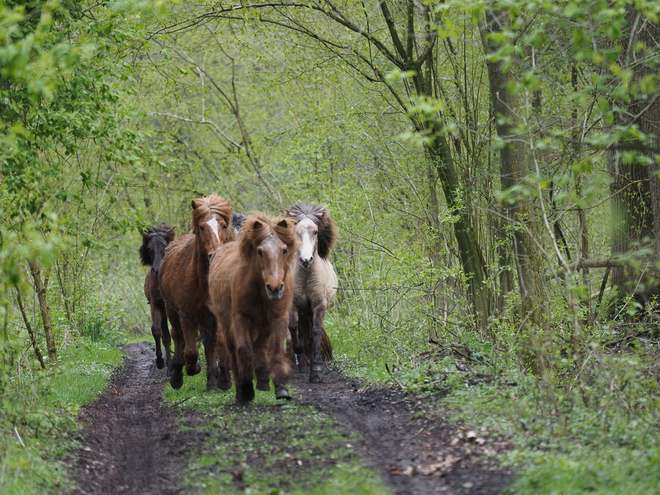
pixel 242 284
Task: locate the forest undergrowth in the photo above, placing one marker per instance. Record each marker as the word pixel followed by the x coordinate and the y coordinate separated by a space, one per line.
pixel 589 431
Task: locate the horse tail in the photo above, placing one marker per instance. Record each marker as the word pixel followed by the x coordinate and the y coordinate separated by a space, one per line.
pixel 326 346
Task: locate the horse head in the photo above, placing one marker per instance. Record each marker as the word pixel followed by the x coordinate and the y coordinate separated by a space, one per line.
pixel 211 223
pixel 154 242
pixel 307 232
pixel 270 245
pixel 315 231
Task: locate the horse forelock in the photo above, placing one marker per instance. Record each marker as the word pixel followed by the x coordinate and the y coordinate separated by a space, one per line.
pixel 260 226
pixel 320 216
pixel 212 204
pixel 161 230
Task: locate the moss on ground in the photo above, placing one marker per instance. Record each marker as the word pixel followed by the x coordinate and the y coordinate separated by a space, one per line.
pixel 269 447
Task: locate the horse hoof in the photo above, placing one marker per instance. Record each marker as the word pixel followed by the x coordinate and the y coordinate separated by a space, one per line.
pixel 193 371
pixel 246 392
pixel 315 377
pixel 264 386
pixel 282 393
pixel 176 380
pixel 212 388
pixel 224 384
pixel 160 363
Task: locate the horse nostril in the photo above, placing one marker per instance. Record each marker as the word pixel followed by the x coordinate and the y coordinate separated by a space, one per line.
pixel 210 256
pixel 270 289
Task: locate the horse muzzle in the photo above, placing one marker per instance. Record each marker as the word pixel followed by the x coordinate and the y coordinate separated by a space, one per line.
pixel 274 294
pixel 306 263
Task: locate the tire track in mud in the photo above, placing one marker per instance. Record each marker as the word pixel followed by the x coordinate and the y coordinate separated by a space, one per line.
pixel 130 442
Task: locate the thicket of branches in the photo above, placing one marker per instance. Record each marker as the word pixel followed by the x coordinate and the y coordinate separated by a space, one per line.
pixel 493 166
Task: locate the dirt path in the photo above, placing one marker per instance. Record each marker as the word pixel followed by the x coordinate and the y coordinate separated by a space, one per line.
pixel 130 442
pixel 414 451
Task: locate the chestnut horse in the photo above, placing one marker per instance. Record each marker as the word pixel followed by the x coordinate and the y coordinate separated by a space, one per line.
pixel 251 290
pixel 315 286
pixel 154 241
pixel 184 286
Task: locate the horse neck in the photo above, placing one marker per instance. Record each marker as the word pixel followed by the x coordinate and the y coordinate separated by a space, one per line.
pixel 200 260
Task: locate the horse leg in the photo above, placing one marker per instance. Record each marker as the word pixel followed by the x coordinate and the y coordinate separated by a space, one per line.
pixel 316 370
pixel 176 369
pixel 156 331
pixel 210 350
pixel 165 334
pixel 244 360
pixel 190 354
pixel 279 367
pixel 261 364
pixel 299 351
pixel 224 361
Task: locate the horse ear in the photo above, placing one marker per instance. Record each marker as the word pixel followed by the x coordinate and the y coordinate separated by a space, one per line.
pixel 196 203
pixel 257 225
pixel 283 223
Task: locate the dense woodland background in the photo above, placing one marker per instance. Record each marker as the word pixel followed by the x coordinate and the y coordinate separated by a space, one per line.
pixel 492 168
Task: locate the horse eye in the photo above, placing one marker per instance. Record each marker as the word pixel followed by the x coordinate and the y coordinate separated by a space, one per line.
pixel 201 227
pixel 260 252
pixel 284 251
pixel 316 232
pixel 224 227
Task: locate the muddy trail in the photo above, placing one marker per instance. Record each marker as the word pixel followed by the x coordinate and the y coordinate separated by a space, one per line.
pixel 132 440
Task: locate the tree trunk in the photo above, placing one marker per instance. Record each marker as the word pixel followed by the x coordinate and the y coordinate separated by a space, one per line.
pixel 636 188
pixel 471 258
pixel 513 167
pixel 40 289
pixel 33 337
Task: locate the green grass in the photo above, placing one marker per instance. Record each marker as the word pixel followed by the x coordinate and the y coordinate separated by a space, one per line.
pixel 39 418
pixel 269 447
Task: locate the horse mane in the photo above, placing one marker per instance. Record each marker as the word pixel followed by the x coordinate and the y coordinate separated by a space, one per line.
pixel 259 226
pixel 163 230
pixel 321 217
pixel 213 203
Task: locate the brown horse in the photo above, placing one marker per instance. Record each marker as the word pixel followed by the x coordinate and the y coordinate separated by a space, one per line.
pixel 184 285
pixel 154 242
pixel 315 286
pixel 251 290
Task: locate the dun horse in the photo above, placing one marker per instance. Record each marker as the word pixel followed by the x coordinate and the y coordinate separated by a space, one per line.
pixel 184 285
pixel 154 242
pixel 315 286
pixel 251 290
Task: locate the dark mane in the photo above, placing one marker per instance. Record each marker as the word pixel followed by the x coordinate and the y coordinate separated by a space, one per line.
pixel 259 226
pixel 320 216
pixel 212 204
pixel 161 230
pixel 237 220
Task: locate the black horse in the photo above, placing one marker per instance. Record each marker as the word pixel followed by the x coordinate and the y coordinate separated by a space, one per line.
pixel 152 251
